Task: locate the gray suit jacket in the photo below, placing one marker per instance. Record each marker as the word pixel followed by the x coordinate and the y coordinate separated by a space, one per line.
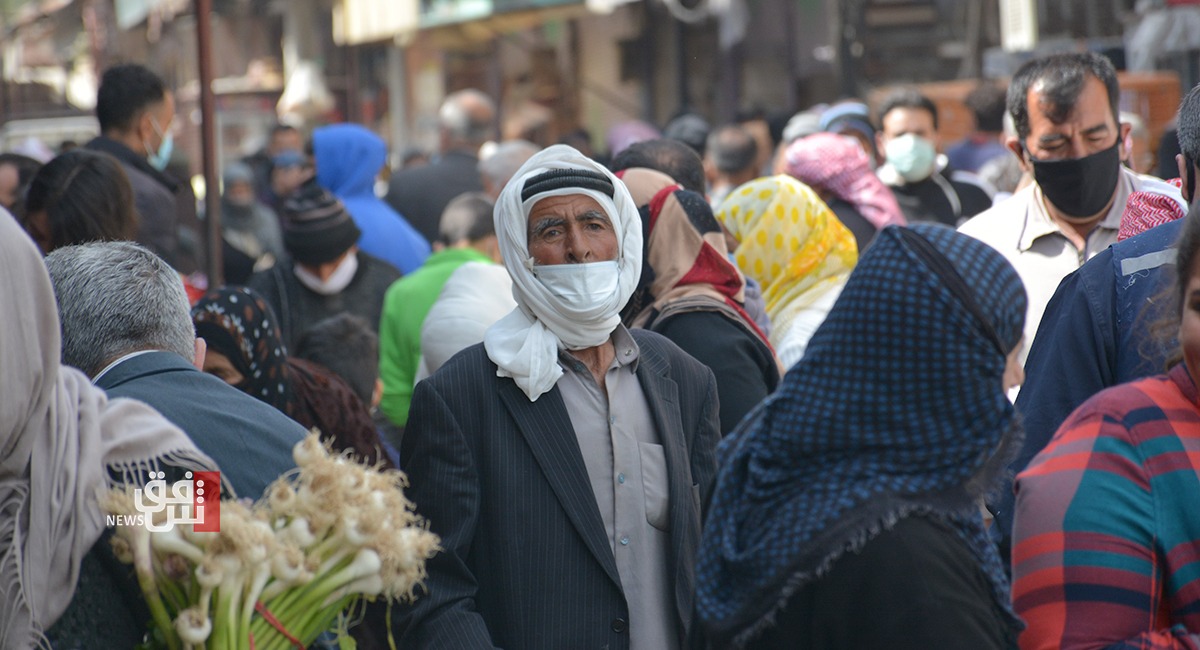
pixel 527 562
pixel 250 440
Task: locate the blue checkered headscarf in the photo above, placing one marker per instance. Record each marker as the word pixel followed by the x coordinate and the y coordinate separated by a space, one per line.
pixel 896 409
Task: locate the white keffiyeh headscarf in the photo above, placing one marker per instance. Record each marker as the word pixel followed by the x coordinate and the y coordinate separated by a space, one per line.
pixel 525 343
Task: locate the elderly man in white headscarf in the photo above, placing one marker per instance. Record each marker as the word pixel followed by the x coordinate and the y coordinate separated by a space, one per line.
pixel 565 462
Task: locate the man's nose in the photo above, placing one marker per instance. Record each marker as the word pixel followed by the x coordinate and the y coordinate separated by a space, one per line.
pixel 578 249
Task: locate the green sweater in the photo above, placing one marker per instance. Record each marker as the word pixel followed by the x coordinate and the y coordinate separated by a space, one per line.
pixel 405 306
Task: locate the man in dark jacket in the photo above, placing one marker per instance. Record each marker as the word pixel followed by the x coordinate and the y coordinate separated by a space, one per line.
pixel 136 113
pixel 126 324
pixel 465 122
pixel 565 462
pixel 327 274
pixel 925 188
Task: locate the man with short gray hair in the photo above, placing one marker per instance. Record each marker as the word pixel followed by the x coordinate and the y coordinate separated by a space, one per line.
pixel 466 121
pixel 497 169
pixel 126 323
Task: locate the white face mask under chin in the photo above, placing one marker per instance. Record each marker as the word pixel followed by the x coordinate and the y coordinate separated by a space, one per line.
pixel 338 280
pixel 580 286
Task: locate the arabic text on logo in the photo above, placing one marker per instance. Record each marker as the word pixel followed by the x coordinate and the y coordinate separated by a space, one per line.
pixel 195 500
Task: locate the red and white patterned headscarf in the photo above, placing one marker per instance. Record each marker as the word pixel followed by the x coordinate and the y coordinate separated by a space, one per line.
pixel 1145 210
pixel 837 164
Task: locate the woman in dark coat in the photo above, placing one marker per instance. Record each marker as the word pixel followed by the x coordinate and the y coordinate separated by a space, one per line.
pixel 847 513
pixel 692 294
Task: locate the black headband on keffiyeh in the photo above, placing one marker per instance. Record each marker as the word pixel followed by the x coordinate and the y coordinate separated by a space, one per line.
pixel 557 179
pixel 896 409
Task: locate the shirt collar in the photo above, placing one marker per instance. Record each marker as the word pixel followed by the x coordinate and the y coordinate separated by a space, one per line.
pixel 118 362
pixel 1038 223
pixel 624 346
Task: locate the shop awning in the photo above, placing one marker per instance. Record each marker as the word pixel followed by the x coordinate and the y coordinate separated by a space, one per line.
pixel 367 21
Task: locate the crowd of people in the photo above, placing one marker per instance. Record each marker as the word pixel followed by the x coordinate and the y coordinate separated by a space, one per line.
pixel 826 383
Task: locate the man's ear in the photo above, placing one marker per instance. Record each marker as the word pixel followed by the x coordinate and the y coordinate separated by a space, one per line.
pixel 201 350
pixel 1013 144
pixel 145 126
pixel 377 394
pixel 1182 163
pixel 1125 129
pixel 710 170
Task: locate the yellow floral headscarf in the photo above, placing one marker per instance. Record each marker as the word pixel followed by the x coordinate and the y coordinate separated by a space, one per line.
pixel 790 242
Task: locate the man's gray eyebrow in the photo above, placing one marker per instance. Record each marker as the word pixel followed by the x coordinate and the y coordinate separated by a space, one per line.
pixel 546 222
pixel 593 215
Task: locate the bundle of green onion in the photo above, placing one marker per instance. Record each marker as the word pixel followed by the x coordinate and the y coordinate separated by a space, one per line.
pixel 281 572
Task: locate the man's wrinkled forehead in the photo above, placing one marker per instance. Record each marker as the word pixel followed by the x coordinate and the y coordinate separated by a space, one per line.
pixel 556 209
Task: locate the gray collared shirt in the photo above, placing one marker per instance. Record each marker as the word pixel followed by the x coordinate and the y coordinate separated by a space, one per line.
pixel 628 472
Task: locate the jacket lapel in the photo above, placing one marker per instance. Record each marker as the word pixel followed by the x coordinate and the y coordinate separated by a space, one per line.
pixel 547 429
pixel 662 394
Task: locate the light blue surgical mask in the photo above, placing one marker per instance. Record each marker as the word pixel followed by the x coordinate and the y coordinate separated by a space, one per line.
pixel 159 159
pixel 912 156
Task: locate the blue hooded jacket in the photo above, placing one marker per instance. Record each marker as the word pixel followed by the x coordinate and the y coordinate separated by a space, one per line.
pixel 348 158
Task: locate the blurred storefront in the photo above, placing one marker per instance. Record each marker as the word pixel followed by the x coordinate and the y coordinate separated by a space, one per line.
pixel 554 66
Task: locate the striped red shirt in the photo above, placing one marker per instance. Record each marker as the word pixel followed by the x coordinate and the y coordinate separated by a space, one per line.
pixel 1106 549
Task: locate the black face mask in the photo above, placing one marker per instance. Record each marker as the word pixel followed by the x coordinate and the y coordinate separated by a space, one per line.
pixel 1079 187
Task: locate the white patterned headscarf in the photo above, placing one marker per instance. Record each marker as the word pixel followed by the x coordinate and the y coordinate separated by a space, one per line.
pixel 525 343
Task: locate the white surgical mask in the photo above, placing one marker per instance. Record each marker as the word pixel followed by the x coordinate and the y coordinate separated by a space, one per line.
pixel 337 282
pixel 912 156
pixel 580 286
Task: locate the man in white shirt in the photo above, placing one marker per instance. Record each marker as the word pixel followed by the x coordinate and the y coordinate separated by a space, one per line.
pixel 1065 111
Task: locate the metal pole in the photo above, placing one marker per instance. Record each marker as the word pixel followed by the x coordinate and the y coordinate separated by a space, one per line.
pixel 649 54
pixel 397 102
pixel 208 139
pixel 681 66
pixel 789 51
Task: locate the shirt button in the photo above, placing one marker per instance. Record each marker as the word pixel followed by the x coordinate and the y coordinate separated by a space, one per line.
pixel 612 419
pixel 628 353
pixel 620 478
pixel 624 541
pixel 619 625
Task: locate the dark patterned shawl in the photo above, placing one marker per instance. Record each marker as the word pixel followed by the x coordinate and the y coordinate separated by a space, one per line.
pixel 896 409
pixel 238 323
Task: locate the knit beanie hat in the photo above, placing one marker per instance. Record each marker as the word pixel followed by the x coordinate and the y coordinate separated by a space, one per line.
pixel 237 172
pixel 316 227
